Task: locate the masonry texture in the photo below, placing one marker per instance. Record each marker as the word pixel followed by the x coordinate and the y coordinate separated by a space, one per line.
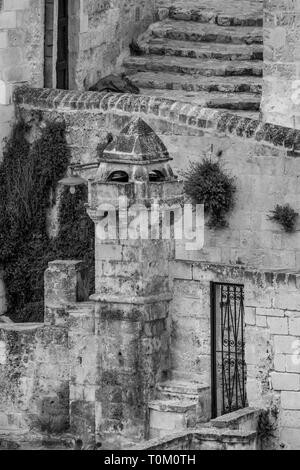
pixel 280 103
pixel 131 366
pixel 262 157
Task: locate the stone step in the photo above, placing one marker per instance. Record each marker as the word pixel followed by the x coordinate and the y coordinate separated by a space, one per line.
pixel 186 391
pixel 235 13
pixel 202 438
pixel 16 439
pixel 181 387
pixel 245 419
pixel 169 81
pixel 198 32
pixel 171 416
pixel 188 66
pixel 229 101
pixel 10 420
pixel 198 50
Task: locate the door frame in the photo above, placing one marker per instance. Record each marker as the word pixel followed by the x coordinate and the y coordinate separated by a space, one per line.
pixel 213 335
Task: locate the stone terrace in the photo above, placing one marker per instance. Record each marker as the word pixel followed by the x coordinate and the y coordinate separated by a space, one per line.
pixel 207 53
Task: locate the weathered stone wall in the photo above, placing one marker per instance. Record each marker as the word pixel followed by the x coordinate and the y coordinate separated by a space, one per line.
pixel 34 378
pixel 272 318
pixel 41 365
pixel 21 53
pixel 106 30
pixel 263 158
pixel 280 103
pixel 22 41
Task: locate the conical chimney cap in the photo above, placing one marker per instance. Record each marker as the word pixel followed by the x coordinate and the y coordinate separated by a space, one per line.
pixel 137 144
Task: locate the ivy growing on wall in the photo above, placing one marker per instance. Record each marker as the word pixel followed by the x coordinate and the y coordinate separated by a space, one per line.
pixel 29 175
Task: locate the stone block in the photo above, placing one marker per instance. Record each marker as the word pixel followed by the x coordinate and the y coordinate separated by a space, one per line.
pixel 278 326
pixel 15 5
pixel 279 362
pixel 3 39
pixel 250 315
pixel 261 321
pixel 66 282
pixel 294 326
pixel 284 344
pixel 5 93
pixel 8 20
pixel 285 381
pixel 292 362
pixel 290 419
pixel 107 252
pixel 181 270
pixel 290 437
pixel 290 400
pixel 272 312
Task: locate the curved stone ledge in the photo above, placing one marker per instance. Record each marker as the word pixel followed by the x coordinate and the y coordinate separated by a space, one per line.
pixel 170 110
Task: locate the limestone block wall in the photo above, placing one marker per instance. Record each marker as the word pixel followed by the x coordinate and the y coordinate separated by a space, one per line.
pixel 280 103
pixel 21 53
pixel 34 374
pixel 41 363
pixel 107 27
pixel 273 349
pixel 272 319
pixel 22 41
pixel 262 157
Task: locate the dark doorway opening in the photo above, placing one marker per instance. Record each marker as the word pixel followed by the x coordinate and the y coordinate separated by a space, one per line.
pixel 62 65
pixel 228 348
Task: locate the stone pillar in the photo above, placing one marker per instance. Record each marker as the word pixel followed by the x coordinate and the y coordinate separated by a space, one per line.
pixel 69 318
pixel 132 305
pixel 83 371
pixel 281 88
pixel 132 281
pixel 66 282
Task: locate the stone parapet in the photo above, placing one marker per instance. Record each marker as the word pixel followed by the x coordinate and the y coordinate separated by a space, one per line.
pixel 166 109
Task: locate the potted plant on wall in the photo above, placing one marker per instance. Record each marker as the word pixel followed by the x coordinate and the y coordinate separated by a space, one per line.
pixel 207 183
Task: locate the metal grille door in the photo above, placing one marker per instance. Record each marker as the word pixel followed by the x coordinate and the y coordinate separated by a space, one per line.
pixel 228 348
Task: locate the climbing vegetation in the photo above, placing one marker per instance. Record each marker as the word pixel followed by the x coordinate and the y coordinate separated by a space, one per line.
pixel 29 176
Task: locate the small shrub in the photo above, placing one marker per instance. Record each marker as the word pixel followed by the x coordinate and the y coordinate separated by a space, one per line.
pixel 206 183
pixel 285 216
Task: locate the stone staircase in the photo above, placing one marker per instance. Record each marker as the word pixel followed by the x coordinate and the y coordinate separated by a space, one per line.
pixel 209 53
pixel 179 405
pixel 234 431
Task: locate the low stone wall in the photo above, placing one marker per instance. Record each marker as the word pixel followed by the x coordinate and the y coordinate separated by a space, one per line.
pixel 39 363
pixel 34 378
pixel 262 157
pixel 203 439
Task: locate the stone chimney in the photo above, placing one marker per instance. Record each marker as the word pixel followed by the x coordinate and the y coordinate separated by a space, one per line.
pixel 132 278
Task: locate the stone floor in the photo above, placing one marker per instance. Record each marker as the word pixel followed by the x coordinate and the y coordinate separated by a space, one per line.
pixel 206 52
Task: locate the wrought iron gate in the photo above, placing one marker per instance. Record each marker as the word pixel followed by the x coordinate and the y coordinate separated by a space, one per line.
pixel 228 348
